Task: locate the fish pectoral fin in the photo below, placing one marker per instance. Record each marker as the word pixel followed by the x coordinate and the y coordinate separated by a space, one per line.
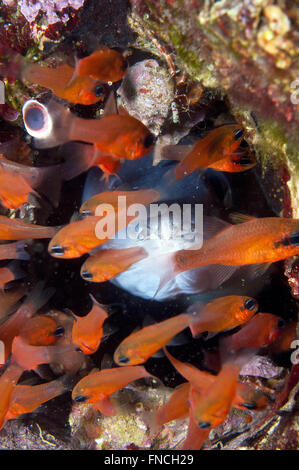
pixel 238 218
pixel 256 270
pixel 111 106
pixel 175 152
pixel 105 406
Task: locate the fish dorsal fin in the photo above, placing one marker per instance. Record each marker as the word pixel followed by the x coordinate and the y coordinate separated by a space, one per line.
pixel 110 106
pixel 238 218
pixel 212 226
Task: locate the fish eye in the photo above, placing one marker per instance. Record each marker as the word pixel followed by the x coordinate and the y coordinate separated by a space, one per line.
pixel 86 213
pixel 203 424
pixel 99 90
pixel 37 120
pixel 238 134
pixel 281 323
pixel 87 275
pixel 294 239
pixel 148 141
pixel 57 250
pixel 250 304
pixel 80 398
pixel 245 161
pixel 123 359
pixel 250 406
pixel 59 331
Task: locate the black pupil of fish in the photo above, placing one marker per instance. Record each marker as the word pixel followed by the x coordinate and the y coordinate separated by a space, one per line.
pixel 245 161
pixel 99 90
pixel 35 118
pixel 238 134
pixel 80 398
pixel 250 406
pixel 87 275
pixel 148 141
pixel 281 323
pixel 250 304
pixel 59 331
pixel 294 239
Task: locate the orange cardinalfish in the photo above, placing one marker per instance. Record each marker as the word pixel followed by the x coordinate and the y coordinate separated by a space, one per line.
pixel 26 179
pixel 177 405
pixel 106 264
pixel 255 241
pixel 142 344
pixel 41 330
pixel 13 325
pixel 119 198
pixel 16 229
pixel 14 251
pixel 82 236
pixel 8 382
pixel 259 332
pixel 223 313
pixel 27 398
pixel 284 341
pixel 9 273
pixel 30 357
pixel 211 408
pixel 250 398
pixel 97 387
pixel 14 190
pixel 218 145
pixel 118 135
pixel 79 90
pixel 87 331
pixel 104 64
pixel 80 157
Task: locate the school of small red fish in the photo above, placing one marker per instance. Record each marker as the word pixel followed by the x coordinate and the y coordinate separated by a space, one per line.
pixel 65 340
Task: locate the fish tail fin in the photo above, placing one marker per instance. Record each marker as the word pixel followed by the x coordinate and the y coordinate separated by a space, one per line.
pixel 39 296
pixel 67 381
pixel 79 158
pixel 16 250
pixel 49 124
pixel 48 183
pixel 238 360
pixel 166 271
pixel 16 270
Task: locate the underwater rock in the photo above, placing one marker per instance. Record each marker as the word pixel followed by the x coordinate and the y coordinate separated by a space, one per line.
pixel 246 51
pixel 52 12
pixel 133 426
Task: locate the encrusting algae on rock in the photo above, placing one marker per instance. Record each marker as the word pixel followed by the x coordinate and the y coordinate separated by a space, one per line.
pixel 145 340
